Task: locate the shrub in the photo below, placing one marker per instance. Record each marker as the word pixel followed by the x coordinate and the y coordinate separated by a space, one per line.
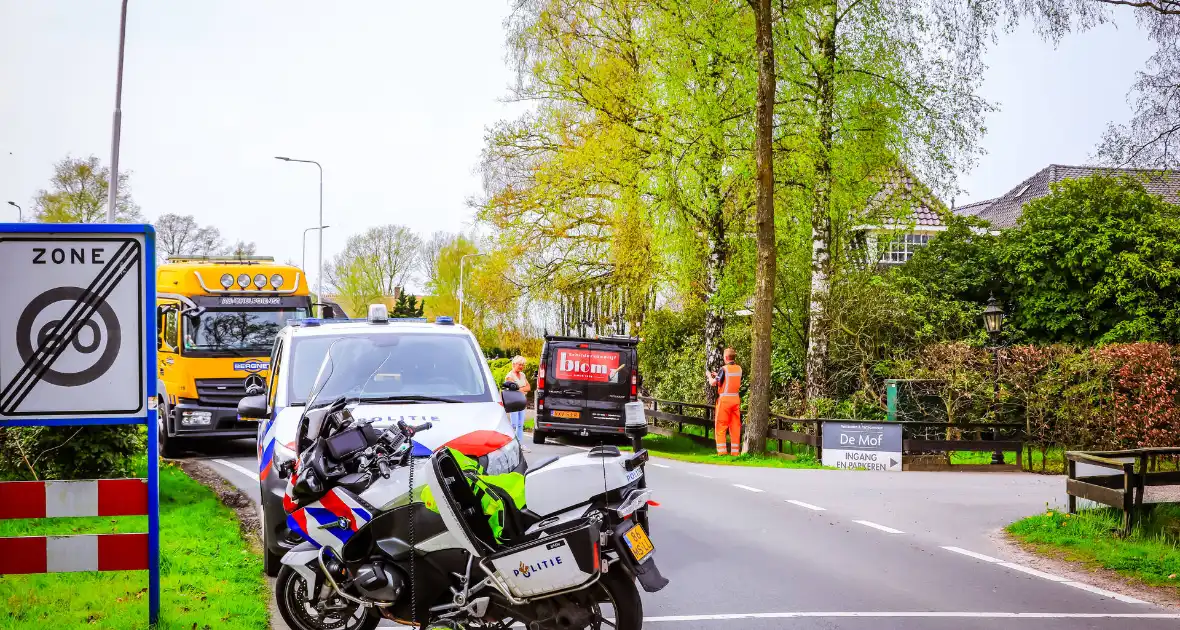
pixel 70 452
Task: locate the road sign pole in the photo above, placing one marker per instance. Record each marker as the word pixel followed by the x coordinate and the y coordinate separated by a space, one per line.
pixel 153 428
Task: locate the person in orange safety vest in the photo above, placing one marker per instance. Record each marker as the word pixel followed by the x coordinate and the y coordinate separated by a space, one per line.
pixel 728 412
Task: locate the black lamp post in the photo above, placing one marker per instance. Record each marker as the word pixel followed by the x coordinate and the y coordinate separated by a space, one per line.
pixel 993 319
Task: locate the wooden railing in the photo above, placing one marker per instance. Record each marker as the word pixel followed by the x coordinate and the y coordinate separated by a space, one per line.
pixel 1123 490
pixel 919 437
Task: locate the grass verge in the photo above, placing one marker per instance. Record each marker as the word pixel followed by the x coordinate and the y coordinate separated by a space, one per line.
pixel 210 578
pixel 1150 555
pixel 682 448
pixel 1052 461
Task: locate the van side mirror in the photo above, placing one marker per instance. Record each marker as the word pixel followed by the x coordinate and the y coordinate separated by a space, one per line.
pixel 253 407
pixel 514 401
pixel 328 312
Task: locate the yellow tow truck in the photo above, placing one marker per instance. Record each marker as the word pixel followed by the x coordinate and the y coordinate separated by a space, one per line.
pixel 218 318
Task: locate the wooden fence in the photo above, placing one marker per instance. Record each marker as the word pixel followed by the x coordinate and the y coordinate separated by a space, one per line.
pixel 918 437
pixel 1137 469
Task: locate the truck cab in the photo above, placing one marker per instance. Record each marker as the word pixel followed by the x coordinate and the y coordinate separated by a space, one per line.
pixel 218 318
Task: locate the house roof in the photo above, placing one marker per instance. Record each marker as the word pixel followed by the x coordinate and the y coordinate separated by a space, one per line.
pixel 973 209
pixel 1004 211
pixel 900 189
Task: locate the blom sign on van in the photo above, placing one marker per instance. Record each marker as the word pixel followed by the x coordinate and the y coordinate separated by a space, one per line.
pixel 587 365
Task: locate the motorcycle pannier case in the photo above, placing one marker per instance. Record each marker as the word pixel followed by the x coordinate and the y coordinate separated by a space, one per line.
pixel 565 560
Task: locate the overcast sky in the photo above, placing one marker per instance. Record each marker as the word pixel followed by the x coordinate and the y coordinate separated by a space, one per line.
pixel 392 97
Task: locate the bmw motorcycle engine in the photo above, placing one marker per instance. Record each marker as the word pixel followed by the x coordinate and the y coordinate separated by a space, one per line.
pixel 379 580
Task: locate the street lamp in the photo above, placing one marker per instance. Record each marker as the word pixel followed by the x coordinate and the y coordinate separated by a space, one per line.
pixel 993 320
pixel 20 214
pixel 304 264
pixel 461 262
pixel 320 272
pixel 116 127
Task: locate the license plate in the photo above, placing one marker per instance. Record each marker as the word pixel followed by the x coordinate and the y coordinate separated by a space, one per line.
pixel 638 542
pixel 567 414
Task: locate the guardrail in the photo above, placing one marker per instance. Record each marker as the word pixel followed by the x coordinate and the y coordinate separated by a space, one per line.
pixel 919 437
pixel 1123 490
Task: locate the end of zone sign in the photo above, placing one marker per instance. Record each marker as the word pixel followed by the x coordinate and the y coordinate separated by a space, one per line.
pixel 862 446
pixel 73 324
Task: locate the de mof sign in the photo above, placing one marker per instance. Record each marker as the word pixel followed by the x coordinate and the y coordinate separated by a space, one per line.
pixel 862 446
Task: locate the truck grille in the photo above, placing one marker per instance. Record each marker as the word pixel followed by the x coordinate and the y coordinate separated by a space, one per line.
pixel 220 392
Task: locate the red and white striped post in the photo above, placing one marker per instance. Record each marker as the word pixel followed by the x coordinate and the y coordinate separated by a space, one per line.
pixel 61 554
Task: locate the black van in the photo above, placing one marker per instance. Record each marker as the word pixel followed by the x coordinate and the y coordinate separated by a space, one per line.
pixel 583 383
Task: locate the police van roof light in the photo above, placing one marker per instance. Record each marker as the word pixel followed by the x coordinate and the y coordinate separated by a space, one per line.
pixel 378 314
pixel 444 320
pixel 307 321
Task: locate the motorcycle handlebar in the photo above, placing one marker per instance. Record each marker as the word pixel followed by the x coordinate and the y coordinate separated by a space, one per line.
pixel 410 430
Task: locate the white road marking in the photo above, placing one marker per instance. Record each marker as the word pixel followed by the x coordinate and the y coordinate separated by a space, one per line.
pixel 659 465
pixel 697 474
pixel 1048 576
pixel 917 614
pixel 887 530
pixel 1105 593
pixel 738 485
pixel 977 556
pixel 1033 572
pixel 231 465
pixel 805 505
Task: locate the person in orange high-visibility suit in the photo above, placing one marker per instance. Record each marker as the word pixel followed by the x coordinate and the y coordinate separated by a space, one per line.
pixel 728 412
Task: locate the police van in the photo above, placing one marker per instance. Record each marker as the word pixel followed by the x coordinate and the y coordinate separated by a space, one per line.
pixel 583 384
pixel 436 358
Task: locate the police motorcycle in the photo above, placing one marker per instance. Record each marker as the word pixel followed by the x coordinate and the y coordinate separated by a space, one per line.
pixel 395 531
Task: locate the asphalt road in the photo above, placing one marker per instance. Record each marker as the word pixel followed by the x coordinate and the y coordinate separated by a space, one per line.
pixel 759 548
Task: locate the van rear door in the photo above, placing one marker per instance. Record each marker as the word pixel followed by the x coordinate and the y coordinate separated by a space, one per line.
pixel 565 392
pixel 605 370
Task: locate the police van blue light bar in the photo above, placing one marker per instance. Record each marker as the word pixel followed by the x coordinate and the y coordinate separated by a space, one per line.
pixel 444 320
pixel 309 321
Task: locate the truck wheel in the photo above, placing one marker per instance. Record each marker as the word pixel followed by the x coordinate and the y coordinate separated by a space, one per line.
pixel 539 437
pixel 170 448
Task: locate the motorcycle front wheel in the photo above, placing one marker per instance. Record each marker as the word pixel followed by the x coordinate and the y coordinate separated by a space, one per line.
pixel 299 611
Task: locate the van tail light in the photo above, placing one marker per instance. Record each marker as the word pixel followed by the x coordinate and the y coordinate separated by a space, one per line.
pixel 634 387
pixel 541 379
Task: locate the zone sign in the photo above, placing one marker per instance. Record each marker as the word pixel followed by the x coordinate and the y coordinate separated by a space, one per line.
pixel 73 325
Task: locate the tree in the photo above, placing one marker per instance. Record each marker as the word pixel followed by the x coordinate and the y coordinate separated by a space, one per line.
pixel 180 235
pixel 765 274
pixel 382 258
pixel 874 87
pixel 1096 261
pixel 78 193
pixel 1151 138
pixel 242 249
pixel 407 305
pixel 430 250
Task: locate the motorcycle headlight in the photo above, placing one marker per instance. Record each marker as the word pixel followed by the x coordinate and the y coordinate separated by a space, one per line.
pixel 505 459
pixel 283 454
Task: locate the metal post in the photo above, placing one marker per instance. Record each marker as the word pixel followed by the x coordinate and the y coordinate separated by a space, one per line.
pixel 320 274
pixel 891 399
pixel 320 250
pixel 153 428
pixel 303 265
pixel 997 455
pixel 113 184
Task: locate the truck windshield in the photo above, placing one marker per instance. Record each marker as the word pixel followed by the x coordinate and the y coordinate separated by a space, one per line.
pixel 236 331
